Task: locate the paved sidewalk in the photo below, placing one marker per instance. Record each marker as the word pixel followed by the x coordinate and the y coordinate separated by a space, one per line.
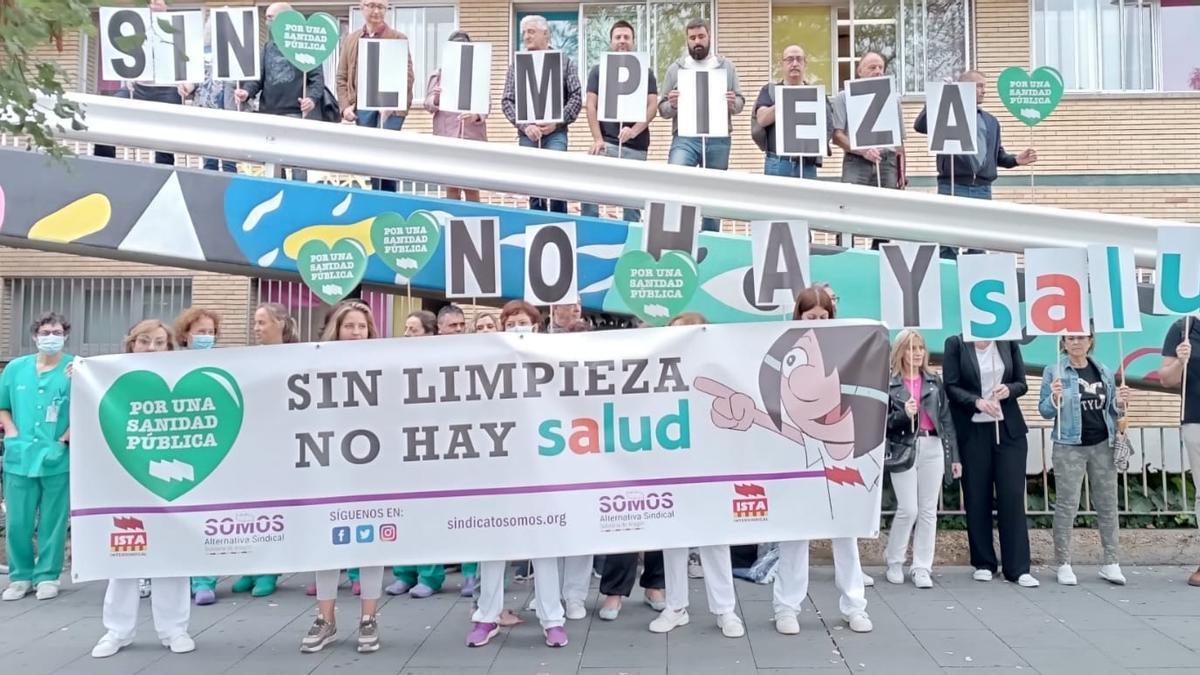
pixel 961 627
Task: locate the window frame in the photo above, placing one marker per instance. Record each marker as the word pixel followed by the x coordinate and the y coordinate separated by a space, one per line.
pixel 1155 50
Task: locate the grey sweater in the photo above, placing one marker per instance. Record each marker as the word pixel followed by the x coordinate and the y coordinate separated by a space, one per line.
pixel 672 82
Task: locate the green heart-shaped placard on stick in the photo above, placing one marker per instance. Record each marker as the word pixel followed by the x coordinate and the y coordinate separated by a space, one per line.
pixel 655 290
pixel 1030 98
pixel 332 272
pixel 171 439
pixel 305 43
pixel 405 245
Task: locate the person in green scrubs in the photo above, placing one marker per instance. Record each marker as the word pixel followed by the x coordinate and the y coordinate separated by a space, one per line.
pixel 35 398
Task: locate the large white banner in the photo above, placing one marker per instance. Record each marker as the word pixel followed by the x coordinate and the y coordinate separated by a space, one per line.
pixel 478 447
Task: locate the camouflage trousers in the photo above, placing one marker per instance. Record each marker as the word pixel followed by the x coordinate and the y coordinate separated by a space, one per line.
pixel 1071 463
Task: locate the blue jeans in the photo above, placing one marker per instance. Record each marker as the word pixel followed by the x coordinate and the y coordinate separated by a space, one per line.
pixel 613 150
pixel 370 118
pixel 711 153
pixel 210 164
pixel 774 165
pixel 960 190
pixel 555 141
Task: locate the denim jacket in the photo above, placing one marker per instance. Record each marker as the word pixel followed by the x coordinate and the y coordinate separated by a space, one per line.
pixel 1069 430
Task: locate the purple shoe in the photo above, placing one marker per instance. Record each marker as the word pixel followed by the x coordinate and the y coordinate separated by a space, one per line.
pixel 481 633
pixel 556 637
pixel 468 587
pixel 421 591
pixel 206 596
pixel 397 588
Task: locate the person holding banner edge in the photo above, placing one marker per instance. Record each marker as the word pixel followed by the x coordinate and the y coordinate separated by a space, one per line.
pixel 984 379
pixel 792 63
pixel 1178 367
pixel 1078 392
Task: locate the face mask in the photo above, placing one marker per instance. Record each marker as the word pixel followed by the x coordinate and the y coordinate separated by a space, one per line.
pixel 203 341
pixel 521 329
pixel 50 344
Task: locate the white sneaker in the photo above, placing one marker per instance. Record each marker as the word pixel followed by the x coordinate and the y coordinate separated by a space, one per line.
pixel 180 644
pixel 895 574
pixel 669 620
pixel 109 645
pixel 47 590
pixel 868 580
pixel 143 588
pixel 860 623
pixel 1112 574
pixel 1027 581
pixel 787 623
pixel 731 626
pixel 982 575
pixel 921 579
pixel 1066 575
pixel 575 610
pixel 17 590
pixel 532 606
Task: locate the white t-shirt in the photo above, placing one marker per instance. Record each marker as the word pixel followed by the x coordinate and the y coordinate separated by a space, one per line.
pixel 991 375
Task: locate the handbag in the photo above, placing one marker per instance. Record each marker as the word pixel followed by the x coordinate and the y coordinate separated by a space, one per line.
pixel 1122 448
pixel 900 455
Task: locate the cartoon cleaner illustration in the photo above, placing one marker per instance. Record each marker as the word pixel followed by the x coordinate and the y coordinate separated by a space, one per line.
pixel 814 395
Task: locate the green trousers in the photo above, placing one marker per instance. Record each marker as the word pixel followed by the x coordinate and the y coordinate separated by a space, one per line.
pixel 44 501
pixel 470 570
pixel 431 575
pixel 203 583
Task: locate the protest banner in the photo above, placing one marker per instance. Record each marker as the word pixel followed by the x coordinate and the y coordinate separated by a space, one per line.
pixel 382 74
pixel 144 46
pixel 538 77
pixel 873 113
pixel 801 121
pixel 473 258
pixel 493 446
pixel 1056 291
pixel 551 264
pixel 125 44
pixel 953 124
pixel 1112 278
pixel 1030 97
pixel 779 258
pixel 703 111
pixel 466 77
pixel 177 43
pixel 910 285
pixel 988 297
pixel 234 39
pixel 624 85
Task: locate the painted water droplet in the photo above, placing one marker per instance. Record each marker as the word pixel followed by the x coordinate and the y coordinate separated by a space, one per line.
pixel 344 206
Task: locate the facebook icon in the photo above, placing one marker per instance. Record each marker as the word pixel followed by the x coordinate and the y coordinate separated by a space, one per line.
pixel 341 535
pixel 364 534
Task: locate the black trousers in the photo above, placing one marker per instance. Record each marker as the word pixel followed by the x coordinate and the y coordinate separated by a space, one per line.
pixel 1000 467
pixel 621 571
pixel 743 555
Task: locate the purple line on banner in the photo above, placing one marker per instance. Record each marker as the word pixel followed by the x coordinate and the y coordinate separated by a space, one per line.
pixel 442 494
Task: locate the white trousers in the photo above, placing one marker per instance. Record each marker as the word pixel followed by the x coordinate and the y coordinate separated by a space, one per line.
pixel 370 579
pixel 171 604
pixel 718 578
pixel 917 493
pixel 791 580
pixel 545 587
pixel 576 577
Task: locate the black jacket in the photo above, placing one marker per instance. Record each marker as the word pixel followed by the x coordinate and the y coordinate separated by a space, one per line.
pixel 935 403
pixel 964 174
pixel 281 85
pixel 960 372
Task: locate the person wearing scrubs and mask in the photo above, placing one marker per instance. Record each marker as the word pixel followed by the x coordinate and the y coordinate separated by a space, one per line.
pixel 35 394
pixel 170 603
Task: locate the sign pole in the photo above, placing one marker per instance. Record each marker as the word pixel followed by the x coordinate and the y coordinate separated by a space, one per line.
pixel 1187 335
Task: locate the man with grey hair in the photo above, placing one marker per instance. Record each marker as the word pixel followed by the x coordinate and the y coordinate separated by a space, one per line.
pixel 867 166
pixel 535 36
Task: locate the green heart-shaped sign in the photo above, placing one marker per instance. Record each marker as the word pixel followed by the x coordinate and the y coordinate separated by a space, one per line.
pixel 332 272
pixel 1030 98
pixel 305 43
pixel 170 440
pixel 405 245
pixel 655 290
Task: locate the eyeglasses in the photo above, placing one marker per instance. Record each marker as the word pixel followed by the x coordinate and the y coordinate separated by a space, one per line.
pixel 378 6
pixel 793 59
pixel 48 333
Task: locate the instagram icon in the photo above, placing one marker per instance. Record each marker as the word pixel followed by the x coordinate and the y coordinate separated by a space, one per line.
pixel 387 532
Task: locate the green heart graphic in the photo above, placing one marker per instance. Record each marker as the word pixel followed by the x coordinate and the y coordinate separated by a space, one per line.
pixel 655 290
pixel 405 245
pixel 305 43
pixel 332 273
pixel 1030 98
pixel 170 440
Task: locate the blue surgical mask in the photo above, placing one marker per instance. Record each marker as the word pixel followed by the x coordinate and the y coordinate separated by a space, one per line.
pixel 50 344
pixel 203 341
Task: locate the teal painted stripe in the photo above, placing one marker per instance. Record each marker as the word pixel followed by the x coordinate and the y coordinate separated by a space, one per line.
pixel 1079 180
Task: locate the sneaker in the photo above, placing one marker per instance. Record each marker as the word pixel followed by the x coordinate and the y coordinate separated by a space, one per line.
pixel 731 626
pixel 607 613
pixel 368 635
pixel 694 569
pixel 180 644
pixel 860 623
pixel 1027 581
pixel 205 596
pixel 1112 574
pixel 143 588
pixel 982 575
pixel 264 586
pixel 356 587
pixel 656 605
pixel 109 645
pixel 311 589
pixel 921 579
pixel 1066 575
pixel 787 623
pixel 47 590
pixel 556 637
pixel 397 588
pixel 868 580
pixel 669 620
pixel 320 634
pixel 895 574
pixel 532 605
pixel 575 610
pixel 468 587
pixel 524 571
pixel 243 585
pixel 481 633
pixel 421 591
pixel 17 590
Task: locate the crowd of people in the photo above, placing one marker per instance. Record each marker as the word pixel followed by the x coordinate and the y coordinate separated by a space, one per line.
pixel 964 423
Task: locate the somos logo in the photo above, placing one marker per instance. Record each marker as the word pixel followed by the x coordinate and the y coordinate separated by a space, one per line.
pixel 242 525
pixel 750 502
pixel 630 510
pixel 129 539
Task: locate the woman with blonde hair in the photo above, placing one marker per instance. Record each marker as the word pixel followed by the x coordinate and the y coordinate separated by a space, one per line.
pixel 921 451
pixel 486 322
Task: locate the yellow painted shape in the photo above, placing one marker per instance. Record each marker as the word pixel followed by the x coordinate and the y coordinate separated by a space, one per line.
pixel 87 215
pixel 360 232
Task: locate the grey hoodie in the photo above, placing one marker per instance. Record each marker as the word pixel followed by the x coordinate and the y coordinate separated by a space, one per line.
pixel 664 105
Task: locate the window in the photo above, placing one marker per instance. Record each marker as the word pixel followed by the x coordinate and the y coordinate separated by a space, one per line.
pixel 427 27
pixel 1100 45
pixel 101 310
pixel 1180 57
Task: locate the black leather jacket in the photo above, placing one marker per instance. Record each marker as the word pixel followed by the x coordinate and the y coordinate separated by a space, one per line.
pixel 935 404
